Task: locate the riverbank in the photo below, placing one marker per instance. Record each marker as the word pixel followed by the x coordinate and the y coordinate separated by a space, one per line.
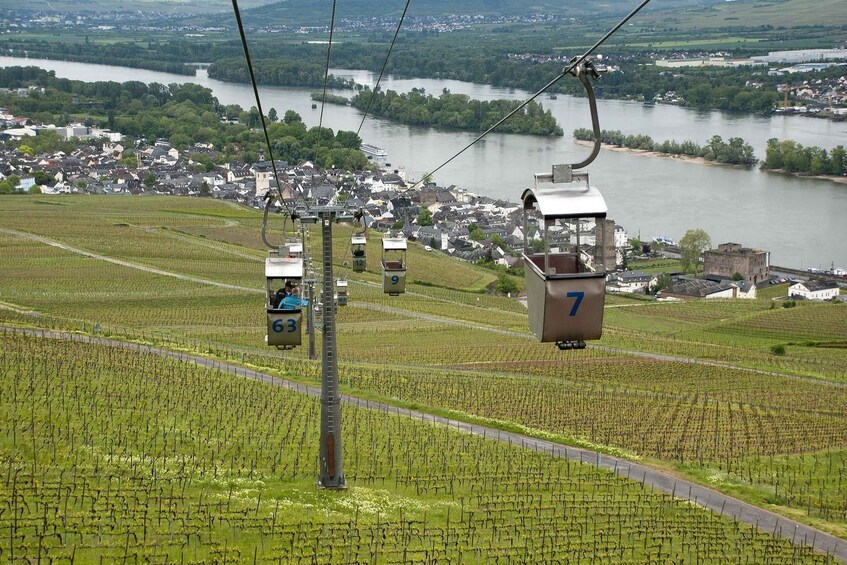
pixel 647 153
pixel 832 178
pixel 702 161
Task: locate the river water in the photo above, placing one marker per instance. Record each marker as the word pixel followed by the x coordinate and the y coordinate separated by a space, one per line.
pixel 802 222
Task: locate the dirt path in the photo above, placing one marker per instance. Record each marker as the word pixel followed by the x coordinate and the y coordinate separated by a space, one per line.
pixel 123 263
pixel 427 317
pixel 706 498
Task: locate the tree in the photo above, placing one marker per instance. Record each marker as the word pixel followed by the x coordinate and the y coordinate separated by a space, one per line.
pixel 505 284
pixel 663 281
pixel 41 178
pixel 150 180
pixel 691 246
pixel 34 189
pixel 291 117
pixel 130 160
pixel 536 245
pixel 272 115
pixel 477 234
pixel 425 217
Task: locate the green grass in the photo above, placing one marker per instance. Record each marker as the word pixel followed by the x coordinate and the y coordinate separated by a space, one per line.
pixel 710 42
pixel 179 462
pixel 463 359
pixel 752 14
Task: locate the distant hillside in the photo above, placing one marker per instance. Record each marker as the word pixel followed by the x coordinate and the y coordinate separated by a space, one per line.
pixel 146 6
pixel 755 13
pixel 318 11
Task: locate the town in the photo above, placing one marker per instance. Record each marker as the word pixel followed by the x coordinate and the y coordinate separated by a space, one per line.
pixel 448 219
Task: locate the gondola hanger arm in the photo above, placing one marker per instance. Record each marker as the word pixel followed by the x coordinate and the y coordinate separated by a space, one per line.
pixel 571 172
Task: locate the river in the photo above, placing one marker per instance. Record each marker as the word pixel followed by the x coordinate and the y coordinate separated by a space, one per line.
pixel 802 222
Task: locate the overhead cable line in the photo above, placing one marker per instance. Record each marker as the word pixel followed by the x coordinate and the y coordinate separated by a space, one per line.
pixel 259 107
pixel 570 67
pixel 326 70
pixel 390 48
pixel 323 96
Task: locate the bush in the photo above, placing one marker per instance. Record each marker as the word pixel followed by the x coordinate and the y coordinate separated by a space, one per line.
pixel 778 349
pixel 505 284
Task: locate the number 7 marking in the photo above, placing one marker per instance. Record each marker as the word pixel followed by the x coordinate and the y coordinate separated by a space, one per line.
pixel 579 296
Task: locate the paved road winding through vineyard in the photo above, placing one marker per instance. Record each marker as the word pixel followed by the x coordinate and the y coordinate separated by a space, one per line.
pixel 699 495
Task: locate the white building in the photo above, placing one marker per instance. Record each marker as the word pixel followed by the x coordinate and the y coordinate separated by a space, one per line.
pixel 630 281
pixel 814 290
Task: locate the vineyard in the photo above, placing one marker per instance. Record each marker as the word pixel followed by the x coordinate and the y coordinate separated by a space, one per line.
pixel 772 435
pixel 112 455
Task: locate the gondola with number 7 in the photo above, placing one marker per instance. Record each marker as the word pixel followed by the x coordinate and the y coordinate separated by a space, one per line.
pixel 565 266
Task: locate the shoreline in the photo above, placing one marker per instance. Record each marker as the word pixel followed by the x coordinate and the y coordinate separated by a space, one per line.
pixel 832 178
pixel 702 161
pixel 646 153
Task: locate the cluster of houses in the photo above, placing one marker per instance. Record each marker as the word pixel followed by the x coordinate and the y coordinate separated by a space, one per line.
pixel 730 271
pixel 451 220
pixel 108 167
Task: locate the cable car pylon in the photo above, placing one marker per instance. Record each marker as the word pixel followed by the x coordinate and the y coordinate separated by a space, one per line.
pixel 331 469
pixel 566 280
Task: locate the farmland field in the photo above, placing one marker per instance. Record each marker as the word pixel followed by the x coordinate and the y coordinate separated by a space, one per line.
pixel 187 274
pixel 113 455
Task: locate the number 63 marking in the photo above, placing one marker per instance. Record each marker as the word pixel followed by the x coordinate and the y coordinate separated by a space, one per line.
pixel 279 326
pixel 578 296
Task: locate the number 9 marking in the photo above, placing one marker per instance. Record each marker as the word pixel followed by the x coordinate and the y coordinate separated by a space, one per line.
pixel 395 279
pixel 579 296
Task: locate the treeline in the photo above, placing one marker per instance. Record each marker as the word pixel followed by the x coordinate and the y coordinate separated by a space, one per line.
pixel 429 56
pixel 732 152
pixel 792 157
pixel 183 114
pixel 457 111
pixel 711 87
pixel 331 98
pixel 129 54
pixel 277 72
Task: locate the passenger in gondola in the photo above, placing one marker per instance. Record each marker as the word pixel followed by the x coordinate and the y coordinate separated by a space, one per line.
pixel 358 253
pixel 291 300
pixel 283 293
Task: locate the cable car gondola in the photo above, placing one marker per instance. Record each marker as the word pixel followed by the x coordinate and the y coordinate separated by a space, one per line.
pixel 358 243
pixel 394 265
pixel 284 277
pixel 341 292
pixel 566 279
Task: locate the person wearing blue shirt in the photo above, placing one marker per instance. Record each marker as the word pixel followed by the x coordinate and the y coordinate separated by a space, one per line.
pixel 290 299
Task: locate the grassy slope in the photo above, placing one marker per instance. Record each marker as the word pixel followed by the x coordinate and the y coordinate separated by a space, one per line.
pixel 755 13
pixel 639 405
pixel 137 457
